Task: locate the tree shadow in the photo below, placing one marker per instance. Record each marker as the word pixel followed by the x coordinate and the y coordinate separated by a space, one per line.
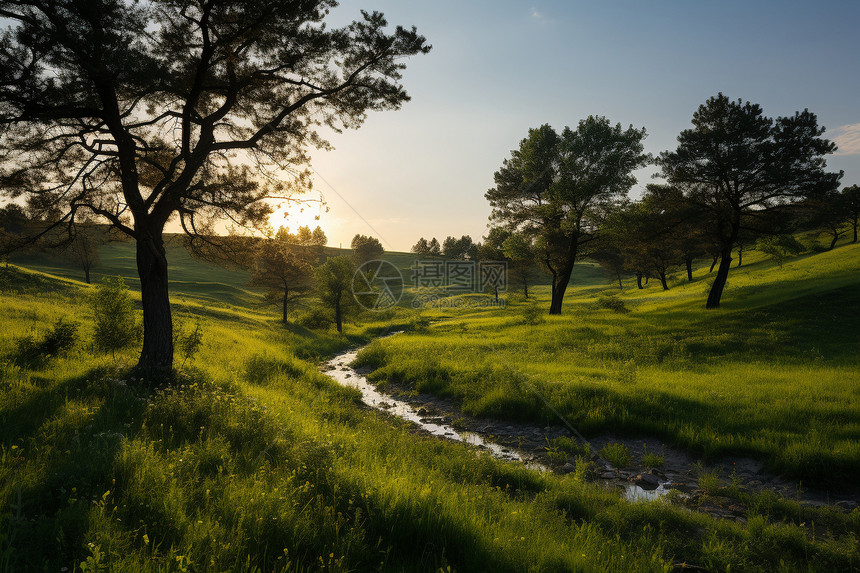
pixel 66 466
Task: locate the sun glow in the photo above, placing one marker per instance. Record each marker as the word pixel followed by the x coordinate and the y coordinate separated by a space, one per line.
pixel 295 214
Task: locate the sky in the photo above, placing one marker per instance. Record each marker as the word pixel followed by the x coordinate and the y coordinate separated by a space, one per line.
pixel 498 68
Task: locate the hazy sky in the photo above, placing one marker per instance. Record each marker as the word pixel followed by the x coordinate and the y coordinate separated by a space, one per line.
pixel 498 68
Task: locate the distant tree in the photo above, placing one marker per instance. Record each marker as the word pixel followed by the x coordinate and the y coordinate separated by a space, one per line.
pixel 742 169
pixel 334 286
pixel 85 245
pixel 449 248
pixel 651 243
pixel 284 270
pixel 492 249
pixel 147 112
pixel 522 269
pixel 555 190
pixel 366 248
pixel 310 243
pixel 779 247
pixel 435 248
pixel 612 260
pixel 460 249
pixel 421 248
pixel 13 222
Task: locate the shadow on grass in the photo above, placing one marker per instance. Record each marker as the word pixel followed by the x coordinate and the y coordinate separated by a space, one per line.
pixel 69 454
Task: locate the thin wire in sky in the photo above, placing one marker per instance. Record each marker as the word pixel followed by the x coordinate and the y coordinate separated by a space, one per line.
pixel 366 222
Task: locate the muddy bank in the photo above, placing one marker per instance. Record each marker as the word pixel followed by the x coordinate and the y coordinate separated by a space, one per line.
pixel 697 486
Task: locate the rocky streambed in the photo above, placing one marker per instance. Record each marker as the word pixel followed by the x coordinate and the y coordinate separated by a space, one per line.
pixel 535 446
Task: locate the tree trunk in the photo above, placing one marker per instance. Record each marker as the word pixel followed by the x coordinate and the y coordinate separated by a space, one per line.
pixel 87 274
pixel 620 285
pixel 526 287
pixel 689 262
pixel 740 255
pixel 720 280
pixel 646 279
pixel 286 295
pixel 157 352
pixel 337 316
pixel 639 280
pixel 662 275
pixel 833 242
pixel 559 286
pixel 855 230
pixel 714 263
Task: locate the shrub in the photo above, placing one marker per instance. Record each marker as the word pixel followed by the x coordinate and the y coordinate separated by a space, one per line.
pixel 612 302
pixel 116 325
pixel 61 338
pixel 531 313
pixel 316 318
pixel 616 454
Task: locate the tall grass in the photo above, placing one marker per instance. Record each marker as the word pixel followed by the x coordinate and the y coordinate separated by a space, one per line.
pixel 773 374
pixel 253 461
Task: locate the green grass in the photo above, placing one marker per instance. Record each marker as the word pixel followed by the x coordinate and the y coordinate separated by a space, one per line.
pixel 772 374
pixel 253 461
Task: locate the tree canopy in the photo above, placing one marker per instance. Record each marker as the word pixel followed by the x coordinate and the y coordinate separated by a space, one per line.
pixel 743 169
pixel 188 110
pixel 556 189
pixel 366 248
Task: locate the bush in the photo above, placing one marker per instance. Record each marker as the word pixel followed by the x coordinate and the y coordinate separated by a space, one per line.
pixel 317 318
pixel 61 338
pixel 531 313
pixel 612 302
pixel 116 325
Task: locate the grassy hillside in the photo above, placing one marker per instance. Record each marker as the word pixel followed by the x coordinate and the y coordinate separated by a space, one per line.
pixel 772 374
pixel 250 460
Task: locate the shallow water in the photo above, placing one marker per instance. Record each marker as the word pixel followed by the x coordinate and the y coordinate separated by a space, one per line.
pixel 339 370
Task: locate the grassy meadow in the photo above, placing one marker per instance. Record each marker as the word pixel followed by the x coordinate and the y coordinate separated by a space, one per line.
pixel 773 374
pixel 251 460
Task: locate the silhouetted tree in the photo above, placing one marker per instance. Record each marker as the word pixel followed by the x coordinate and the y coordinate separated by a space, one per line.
pixel 435 248
pixel 284 270
pixel 13 221
pixel 366 248
pixel 743 168
pixel 460 249
pixel 421 248
pixel 556 189
pixel 84 247
pixel 144 112
pixel 310 244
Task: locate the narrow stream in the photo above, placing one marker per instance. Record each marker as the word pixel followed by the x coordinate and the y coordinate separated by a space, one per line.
pixel 339 370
